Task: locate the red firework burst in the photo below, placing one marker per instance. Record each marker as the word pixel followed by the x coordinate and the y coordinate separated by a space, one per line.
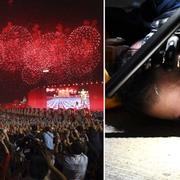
pixel 18 35
pixel 2 50
pixel 14 40
pixel 37 58
pixel 83 44
pixel 48 53
pixel 83 41
pixel 55 45
pixel 86 65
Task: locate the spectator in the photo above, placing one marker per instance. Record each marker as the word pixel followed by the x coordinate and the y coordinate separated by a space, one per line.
pixel 75 163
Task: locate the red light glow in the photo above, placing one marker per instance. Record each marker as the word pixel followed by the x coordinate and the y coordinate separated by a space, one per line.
pixel 56 53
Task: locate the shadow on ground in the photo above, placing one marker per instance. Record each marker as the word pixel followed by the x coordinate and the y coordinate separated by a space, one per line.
pixel 131 125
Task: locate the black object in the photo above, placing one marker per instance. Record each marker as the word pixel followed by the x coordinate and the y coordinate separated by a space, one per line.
pixel 142 56
pixel 171 60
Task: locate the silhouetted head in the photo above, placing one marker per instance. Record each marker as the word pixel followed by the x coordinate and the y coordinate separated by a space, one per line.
pixel 155 92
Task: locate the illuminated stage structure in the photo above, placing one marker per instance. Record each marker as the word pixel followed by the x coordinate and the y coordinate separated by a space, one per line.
pixel 67 98
pixel 76 96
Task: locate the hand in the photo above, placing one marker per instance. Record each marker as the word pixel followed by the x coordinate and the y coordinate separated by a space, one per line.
pixel 57 139
pixel 6 135
pixel 2 137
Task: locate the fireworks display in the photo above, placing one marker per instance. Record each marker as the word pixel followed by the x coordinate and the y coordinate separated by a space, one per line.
pixel 14 41
pixel 48 56
pixel 83 44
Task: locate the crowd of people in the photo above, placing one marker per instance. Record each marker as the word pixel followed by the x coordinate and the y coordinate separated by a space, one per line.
pixel 42 144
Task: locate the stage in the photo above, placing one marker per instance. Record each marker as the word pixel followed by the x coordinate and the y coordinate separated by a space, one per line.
pixel 40 98
pixel 67 102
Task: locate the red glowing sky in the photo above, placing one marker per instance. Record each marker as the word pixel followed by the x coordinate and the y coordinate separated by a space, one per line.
pixel 36 23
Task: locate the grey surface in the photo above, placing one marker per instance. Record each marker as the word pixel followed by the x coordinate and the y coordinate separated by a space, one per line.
pixel 142 158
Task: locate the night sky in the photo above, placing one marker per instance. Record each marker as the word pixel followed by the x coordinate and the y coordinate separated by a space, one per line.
pixel 47 13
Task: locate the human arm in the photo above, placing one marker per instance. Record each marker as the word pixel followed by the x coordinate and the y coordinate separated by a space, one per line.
pixel 6 160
